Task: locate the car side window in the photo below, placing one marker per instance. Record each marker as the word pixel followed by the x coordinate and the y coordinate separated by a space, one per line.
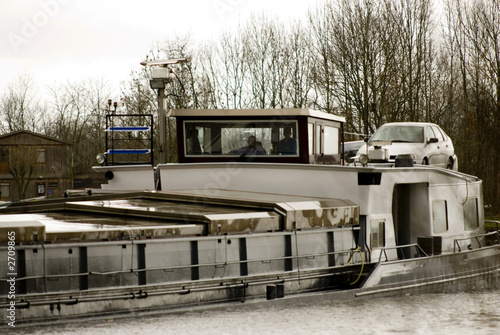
pixel 429 133
pixel 438 133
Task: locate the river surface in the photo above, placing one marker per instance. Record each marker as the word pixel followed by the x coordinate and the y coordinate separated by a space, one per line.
pixel 457 313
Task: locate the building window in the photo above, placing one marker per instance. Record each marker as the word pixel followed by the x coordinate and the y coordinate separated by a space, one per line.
pixel 377 235
pixel 470 214
pixel 40 189
pixel 440 216
pixel 40 156
pixel 52 188
pixel 5 190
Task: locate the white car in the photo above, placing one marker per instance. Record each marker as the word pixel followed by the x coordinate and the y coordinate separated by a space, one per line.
pixel 426 143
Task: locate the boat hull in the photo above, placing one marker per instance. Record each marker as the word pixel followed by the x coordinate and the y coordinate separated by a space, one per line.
pixel 243 238
pixel 469 270
pixel 461 271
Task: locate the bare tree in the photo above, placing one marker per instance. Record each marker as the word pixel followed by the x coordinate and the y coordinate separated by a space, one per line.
pixel 368 60
pixel 474 35
pixel 19 106
pixel 264 54
pixel 209 78
pixel 356 61
pixel 22 163
pixel 97 93
pixel 413 31
pixel 297 62
pixel 225 71
pixel 78 109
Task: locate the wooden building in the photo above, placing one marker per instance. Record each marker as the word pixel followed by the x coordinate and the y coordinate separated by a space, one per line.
pixel 32 164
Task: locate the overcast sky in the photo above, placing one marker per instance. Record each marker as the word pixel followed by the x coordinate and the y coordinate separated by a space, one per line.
pixel 59 40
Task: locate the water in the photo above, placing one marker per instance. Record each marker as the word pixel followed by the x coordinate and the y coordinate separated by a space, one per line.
pixel 460 313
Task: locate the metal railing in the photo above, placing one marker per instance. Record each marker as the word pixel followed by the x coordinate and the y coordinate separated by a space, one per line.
pixel 419 250
pixel 471 238
pixel 346 253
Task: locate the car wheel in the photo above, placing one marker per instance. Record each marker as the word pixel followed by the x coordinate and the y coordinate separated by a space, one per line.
pixel 425 161
pixel 449 166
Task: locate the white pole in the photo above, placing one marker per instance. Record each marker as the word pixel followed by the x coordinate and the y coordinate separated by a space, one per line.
pixel 162 121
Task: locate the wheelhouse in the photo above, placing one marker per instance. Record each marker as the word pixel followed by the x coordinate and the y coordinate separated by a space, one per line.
pixel 259 135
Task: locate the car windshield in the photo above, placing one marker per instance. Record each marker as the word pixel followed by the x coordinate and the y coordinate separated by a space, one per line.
pixel 411 134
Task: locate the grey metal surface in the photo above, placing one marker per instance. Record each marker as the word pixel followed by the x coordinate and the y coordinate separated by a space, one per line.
pixel 153 214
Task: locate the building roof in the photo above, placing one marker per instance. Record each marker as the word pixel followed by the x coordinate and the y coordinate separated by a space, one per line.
pixel 10 138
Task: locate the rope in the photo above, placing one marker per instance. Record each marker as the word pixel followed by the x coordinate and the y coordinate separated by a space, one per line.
pixel 358 249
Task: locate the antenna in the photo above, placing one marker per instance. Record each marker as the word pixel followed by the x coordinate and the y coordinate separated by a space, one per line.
pixel 166 62
pixel 162 74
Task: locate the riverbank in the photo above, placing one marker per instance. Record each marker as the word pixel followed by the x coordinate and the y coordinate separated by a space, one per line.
pixel 492 223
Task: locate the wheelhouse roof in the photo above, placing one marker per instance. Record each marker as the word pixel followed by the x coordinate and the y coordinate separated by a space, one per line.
pixel 256 112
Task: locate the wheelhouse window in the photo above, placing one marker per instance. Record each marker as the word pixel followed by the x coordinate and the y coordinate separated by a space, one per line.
pixel 249 138
pixel 317 140
pixel 310 132
pixel 331 140
pixel 440 216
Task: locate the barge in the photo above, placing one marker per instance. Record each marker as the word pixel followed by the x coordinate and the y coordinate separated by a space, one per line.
pixel 242 216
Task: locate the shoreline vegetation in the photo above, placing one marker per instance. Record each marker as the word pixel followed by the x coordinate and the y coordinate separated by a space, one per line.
pixel 369 61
